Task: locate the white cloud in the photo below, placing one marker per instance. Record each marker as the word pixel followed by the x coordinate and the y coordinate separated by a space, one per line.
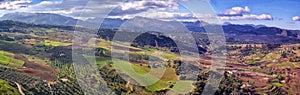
pixel 74 8
pixel 145 5
pixel 167 16
pixel 239 13
pixel 13 5
pixel 125 10
pixel 135 7
pixel 248 17
pixel 71 8
pixel 122 17
pixel 237 10
pixel 296 18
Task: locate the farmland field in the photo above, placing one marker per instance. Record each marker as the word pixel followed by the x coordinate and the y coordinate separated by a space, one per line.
pixel 7 59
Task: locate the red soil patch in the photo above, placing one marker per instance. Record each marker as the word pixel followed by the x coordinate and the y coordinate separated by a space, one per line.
pixel 37 70
pixel 293 82
pixel 44 75
pixel 259 79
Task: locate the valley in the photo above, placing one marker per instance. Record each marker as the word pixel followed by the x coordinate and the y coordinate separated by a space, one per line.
pixel 39 58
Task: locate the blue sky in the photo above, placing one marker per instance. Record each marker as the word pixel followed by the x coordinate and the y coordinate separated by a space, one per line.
pixel 277 13
pixel 281 10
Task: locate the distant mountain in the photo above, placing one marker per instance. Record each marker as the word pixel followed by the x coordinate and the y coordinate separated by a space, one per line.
pixel 234 32
pixel 148 24
pixel 14 26
pixel 260 34
pixel 110 23
pixel 196 26
pixel 155 23
pixel 256 26
pixel 43 18
pixel 56 19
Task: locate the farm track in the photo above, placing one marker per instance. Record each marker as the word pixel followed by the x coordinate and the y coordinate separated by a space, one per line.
pixel 20 88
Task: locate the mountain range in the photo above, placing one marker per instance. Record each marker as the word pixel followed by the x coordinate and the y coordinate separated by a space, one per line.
pixel 233 32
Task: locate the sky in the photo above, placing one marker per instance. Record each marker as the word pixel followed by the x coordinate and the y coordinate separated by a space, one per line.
pixel 274 13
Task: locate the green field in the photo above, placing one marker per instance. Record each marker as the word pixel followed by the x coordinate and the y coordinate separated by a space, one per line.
pixel 6 89
pixel 7 59
pixel 165 81
pixel 271 56
pixel 108 44
pixel 55 43
pixel 140 73
pixel 146 76
pixel 282 65
pixel 169 55
pixel 100 61
pixel 183 87
pixel 257 57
